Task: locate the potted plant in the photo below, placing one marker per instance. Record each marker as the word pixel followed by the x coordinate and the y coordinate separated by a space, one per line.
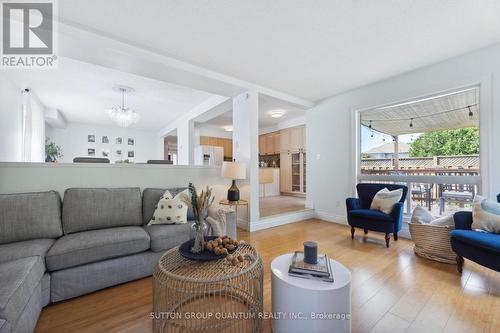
pixel 52 151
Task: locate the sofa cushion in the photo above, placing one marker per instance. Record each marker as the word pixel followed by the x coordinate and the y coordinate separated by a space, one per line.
pixel 19 278
pixel 371 215
pixel 150 198
pixel 29 248
pixel 485 240
pixel 26 216
pixel 4 326
pixel 95 245
pixel 99 208
pixel 164 237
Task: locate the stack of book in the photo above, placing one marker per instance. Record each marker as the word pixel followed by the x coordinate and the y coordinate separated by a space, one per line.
pixel 320 271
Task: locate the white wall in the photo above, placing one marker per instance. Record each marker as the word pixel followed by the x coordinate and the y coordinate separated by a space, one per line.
pixel 10 121
pixel 331 134
pixel 73 141
pixel 33 177
pixel 13 146
pixel 246 149
pixel 37 133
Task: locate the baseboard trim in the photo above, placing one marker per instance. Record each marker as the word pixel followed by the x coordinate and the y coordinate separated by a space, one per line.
pixel 341 219
pixel 330 217
pixel 282 219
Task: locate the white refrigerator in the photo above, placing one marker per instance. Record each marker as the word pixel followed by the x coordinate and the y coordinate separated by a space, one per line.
pixel 208 155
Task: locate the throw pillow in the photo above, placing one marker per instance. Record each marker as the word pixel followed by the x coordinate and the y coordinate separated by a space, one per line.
pixel 170 210
pixel 444 221
pixel 421 215
pixel 385 200
pixel 486 215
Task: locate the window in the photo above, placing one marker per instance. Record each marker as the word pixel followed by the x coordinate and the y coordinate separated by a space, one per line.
pixel 430 144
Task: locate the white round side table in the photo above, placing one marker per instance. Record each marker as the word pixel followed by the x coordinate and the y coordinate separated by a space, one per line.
pixel 303 305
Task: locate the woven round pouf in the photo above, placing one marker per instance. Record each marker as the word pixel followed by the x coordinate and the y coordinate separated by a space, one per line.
pixel 208 296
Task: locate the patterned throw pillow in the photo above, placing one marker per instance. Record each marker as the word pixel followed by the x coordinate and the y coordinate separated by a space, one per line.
pixel 170 210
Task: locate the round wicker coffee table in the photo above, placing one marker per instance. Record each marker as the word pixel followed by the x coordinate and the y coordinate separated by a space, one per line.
pixel 208 296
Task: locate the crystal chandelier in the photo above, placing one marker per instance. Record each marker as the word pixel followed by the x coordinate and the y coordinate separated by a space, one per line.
pixel 121 115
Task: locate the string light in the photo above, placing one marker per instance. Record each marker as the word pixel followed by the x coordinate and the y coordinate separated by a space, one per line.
pixel 411 122
pixel 469 107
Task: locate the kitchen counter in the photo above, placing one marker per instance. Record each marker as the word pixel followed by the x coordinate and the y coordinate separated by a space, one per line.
pixel 269 180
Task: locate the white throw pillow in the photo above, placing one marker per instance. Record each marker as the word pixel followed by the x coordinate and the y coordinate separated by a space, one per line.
pixel 421 215
pixel 444 221
pixel 170 210
pixel 486 215
pixel 385 200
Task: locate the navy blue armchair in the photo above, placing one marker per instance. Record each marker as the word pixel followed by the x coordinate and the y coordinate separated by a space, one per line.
pixel 359 214
pixel 480 247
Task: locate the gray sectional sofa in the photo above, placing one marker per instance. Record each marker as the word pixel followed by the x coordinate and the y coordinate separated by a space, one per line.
pixel 52 250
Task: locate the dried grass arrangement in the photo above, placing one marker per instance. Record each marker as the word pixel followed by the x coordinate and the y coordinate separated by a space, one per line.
pixel 199 204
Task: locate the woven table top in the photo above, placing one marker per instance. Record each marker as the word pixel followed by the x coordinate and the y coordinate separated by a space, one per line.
pixel 174 266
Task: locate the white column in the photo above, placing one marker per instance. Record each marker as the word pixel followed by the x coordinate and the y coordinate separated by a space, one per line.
pixel 246 148
pixel 185 143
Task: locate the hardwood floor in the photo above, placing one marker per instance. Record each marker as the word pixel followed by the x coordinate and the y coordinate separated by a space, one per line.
pixel 392 289
pixel 275 205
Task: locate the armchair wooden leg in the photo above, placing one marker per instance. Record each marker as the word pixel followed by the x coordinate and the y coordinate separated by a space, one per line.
pixel 387 239
pixel 366 231
pixel 352 232
pixel 460 264
pixel 395 236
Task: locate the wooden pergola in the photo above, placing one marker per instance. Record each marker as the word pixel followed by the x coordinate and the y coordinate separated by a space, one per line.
pixel 458 109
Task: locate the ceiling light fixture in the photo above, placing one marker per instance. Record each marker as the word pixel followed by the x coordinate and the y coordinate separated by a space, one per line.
pixel 277 113
pixel 121 115
pixel 228 128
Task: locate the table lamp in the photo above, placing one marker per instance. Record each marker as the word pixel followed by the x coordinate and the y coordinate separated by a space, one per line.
pixel 234 170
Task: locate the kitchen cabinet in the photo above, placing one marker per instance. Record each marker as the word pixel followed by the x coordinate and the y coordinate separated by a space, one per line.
pixel 269 144
pixel 293 172
pixel 285 172
pixel 262 145
pixel 293 139
pixel 293 160
pixel 285 140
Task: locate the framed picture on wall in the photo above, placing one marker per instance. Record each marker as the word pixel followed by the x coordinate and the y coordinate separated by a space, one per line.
pixel 91 151
pixel 105 153
pixel 105 139
pixel 118 153
pixel 91 138
pixel 119 141
pixel 131 141
pixel 131 154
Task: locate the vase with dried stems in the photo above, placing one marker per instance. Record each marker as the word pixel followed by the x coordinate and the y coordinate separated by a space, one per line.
pixel 199 204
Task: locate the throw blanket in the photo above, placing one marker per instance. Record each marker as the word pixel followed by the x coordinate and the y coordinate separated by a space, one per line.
pixel 217 220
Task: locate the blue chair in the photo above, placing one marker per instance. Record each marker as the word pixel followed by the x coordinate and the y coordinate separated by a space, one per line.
pixel 480 247
pixel 359 214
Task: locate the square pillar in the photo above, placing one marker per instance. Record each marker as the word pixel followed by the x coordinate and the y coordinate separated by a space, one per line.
pixel 246 149
pixel 185 143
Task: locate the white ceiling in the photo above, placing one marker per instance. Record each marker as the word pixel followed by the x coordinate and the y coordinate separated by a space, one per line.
pixel 83 92
pixel 310 49
pixel 267 105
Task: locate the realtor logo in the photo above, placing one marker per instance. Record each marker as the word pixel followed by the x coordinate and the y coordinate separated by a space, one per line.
pixel 28 34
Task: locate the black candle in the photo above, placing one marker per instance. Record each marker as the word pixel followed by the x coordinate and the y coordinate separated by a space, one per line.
pixel 311 252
